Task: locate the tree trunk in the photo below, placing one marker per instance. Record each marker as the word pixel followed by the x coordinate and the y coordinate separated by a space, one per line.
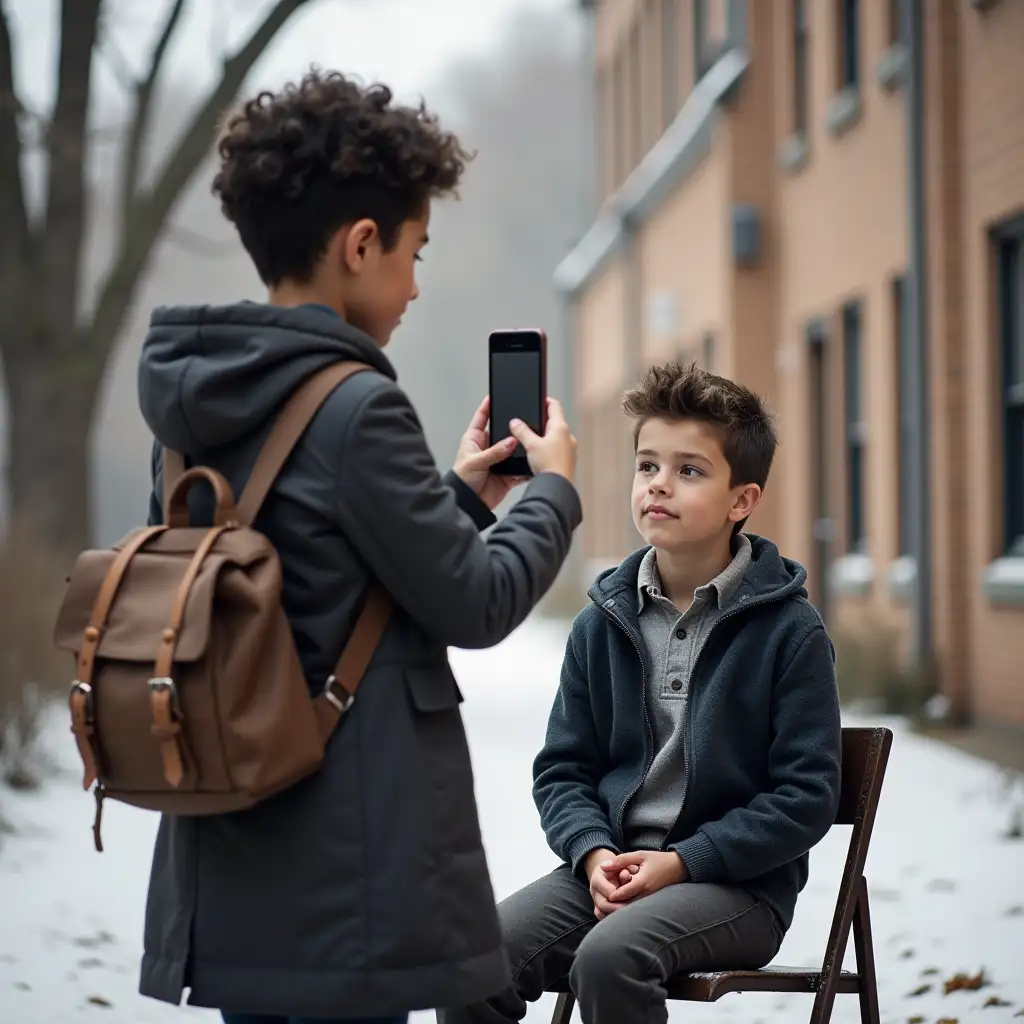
pixel 51 415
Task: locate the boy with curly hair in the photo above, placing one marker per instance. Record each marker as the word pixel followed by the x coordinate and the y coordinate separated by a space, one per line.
pixel 363 891
pixel 693 751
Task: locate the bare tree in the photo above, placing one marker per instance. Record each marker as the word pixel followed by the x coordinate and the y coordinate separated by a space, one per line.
pixel 54 357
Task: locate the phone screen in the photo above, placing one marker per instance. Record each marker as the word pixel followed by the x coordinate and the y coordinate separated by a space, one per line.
pixel 515 393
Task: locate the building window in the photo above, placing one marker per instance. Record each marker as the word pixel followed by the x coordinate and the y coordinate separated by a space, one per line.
pixel 855 433
pixel 669 60
pixel 800 67
pixel 708 352
pixel 636 101
pixel 895 22
pixel 700 38
pixel 904 418
pixel 1011 324
pixel 619 139
pixel 849 44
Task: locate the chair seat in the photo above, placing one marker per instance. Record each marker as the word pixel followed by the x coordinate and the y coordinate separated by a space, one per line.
pixel 706 988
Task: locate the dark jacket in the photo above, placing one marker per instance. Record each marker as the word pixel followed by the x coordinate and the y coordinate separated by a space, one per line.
pixel 762 741
pixel 362 891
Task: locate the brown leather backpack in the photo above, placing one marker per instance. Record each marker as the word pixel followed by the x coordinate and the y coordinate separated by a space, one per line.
pixel 189 697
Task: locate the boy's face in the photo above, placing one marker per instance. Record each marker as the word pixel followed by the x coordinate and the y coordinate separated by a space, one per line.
pixel 379 285
pixel 681 491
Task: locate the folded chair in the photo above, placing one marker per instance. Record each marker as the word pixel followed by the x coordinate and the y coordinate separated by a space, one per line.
pixel 865 755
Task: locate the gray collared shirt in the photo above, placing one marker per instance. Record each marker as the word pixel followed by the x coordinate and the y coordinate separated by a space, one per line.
pixel 673 640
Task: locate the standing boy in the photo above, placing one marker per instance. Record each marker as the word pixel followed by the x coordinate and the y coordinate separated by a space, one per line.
pixel 362 892
pixel 693 751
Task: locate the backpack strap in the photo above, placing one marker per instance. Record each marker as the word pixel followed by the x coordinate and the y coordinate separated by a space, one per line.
pixel 172 469
pixel 290 425
pixel 340 689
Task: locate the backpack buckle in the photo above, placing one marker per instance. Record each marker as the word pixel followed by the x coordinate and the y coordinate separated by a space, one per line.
pixel 336 695
pixel 78 687
pixel 161 683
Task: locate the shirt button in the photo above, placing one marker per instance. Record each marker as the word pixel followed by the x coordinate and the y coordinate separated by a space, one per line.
pixel 680 634
pixel 676 684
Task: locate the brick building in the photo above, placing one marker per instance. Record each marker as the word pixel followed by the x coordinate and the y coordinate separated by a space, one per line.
pixel 825 200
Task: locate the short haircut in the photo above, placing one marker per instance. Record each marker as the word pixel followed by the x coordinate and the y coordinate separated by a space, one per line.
pixel 299 164
pixel 683 391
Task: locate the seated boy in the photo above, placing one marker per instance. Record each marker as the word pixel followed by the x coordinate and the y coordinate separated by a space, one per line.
pixel 693 751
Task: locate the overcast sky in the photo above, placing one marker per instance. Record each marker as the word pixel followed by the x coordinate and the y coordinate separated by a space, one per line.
pixel 406 43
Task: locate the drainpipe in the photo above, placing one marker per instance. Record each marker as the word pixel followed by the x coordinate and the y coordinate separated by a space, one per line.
pixel 922 650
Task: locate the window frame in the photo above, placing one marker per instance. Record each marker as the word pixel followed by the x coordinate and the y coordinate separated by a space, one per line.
pixel 848 39
pixel 669 61
pixel 854 427
pixel 1010 380
pixel 902 352
pixel 800 41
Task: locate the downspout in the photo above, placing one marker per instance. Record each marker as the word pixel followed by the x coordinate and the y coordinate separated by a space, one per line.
pixel 632 342
pixel 922 646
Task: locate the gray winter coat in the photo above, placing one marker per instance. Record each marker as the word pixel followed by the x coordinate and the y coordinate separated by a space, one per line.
pixel 362 891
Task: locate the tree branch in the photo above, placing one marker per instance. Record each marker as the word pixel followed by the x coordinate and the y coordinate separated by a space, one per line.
pixel 150 209
pixel 64 216
pixel 144 92
pixel 13 213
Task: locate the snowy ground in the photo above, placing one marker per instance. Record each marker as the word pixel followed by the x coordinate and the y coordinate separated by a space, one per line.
pixel 947 885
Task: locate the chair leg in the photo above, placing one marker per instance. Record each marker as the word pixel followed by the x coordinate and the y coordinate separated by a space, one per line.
pixel 864 949
pixel 563 1008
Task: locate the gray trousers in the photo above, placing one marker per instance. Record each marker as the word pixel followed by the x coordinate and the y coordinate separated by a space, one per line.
pixel 618 967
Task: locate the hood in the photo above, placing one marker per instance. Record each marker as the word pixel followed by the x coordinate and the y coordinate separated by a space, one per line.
pixel 769 575
pixel 212 375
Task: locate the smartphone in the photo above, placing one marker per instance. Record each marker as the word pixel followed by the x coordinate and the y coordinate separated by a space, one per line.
pixel 518 389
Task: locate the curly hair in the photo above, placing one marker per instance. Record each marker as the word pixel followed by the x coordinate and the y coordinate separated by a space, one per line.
pixel 683 391
pixel 297 165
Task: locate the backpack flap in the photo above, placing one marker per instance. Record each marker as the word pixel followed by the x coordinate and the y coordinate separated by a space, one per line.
pixel 142 607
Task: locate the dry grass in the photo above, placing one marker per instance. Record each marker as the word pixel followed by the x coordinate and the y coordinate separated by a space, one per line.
pixel 872 675
pixel 31 671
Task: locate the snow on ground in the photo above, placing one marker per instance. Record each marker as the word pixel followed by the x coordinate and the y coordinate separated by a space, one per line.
pixel 946 883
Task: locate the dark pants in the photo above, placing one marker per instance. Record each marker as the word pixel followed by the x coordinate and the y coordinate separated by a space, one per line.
pixel 250 1018
pixel 618 967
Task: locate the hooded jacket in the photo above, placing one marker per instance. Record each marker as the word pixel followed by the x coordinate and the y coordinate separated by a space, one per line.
pixel 762 746
pixel 363 890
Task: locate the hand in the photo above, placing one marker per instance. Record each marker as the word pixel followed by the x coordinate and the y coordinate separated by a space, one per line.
pixel 474 460
pixel 555 452
pixel 603 883
pixel 657 869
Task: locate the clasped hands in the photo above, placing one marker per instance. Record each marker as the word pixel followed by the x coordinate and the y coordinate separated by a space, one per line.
pixel 619 879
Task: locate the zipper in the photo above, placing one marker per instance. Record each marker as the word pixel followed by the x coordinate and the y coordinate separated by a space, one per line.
pixel 607 607
pixel 689 704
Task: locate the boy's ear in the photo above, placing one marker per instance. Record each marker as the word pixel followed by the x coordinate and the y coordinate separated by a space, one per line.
pixel 745 500
pixel 359 244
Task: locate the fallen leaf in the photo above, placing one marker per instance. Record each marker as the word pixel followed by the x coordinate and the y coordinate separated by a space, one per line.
pixel 101 938
pixel 99 1001
pixel 995 1001
pixel 948 1020
pixel 929 971
pixel 22 987
pixel 915 1020
pixel 965 982
pixel 90 961
pixel 920 990
pixel 907 954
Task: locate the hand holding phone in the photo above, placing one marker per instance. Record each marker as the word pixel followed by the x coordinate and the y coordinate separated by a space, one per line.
pixel 555 451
